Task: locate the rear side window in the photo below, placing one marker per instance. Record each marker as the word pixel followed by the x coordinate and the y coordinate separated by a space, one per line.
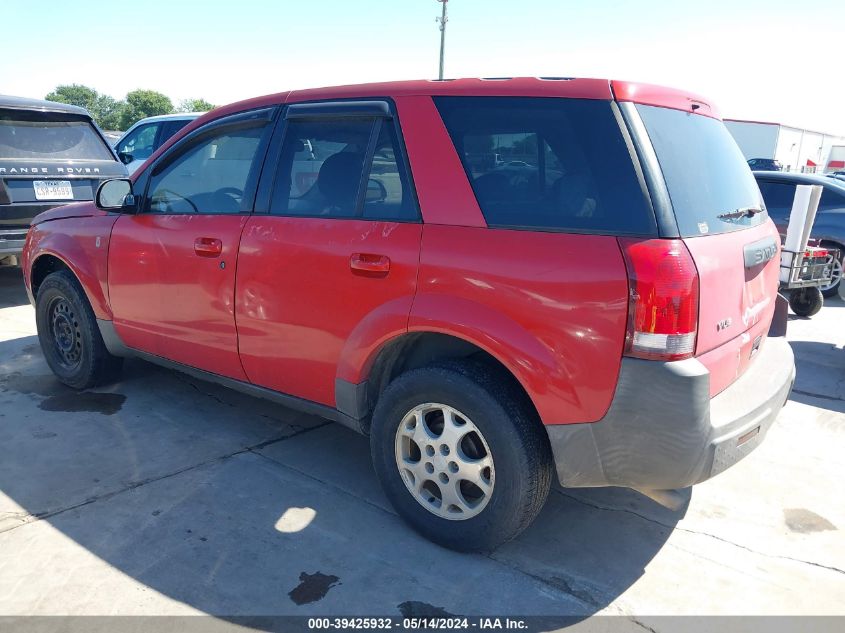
pixel 168 129
pixel 707 176
pixel 213 175
pixel 342 168
pixel 45 137
pixel 552 164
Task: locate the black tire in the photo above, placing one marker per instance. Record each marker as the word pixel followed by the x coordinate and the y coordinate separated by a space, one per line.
pixel 806 302
pixel 511 428
pixel 833 289
pixel 69 336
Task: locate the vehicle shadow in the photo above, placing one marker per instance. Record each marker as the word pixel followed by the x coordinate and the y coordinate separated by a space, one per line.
pixel 12 290
pixel 820 368
pixel 237 507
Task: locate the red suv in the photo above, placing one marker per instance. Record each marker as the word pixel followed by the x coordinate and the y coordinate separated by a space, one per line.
pixel 496 280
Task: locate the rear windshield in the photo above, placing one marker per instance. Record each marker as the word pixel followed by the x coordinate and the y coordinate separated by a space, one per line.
pixel 705 171
pixel 548 164
pixel 25 136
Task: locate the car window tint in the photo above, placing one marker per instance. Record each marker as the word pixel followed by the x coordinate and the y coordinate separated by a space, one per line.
pixel 706 174
pixel 388 196
pixel 321 168
pixel 778 197
pixel 211 176
pixel 168 129
pixel 40 135
pixel 831 200
pixel 557 164
pixel 140 143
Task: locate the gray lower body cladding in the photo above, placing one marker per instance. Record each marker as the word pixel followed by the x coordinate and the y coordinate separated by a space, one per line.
pixel 664 431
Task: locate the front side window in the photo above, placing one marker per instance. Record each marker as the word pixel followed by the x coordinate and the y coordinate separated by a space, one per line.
pixel 211 176
pixel 140 143
pixel 322 168
pixel 553 164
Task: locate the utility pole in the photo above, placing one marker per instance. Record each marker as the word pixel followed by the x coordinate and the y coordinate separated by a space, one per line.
pixel 442 20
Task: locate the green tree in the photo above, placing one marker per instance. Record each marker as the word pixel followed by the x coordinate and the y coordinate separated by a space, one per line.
pixel 107 112
pixel 74 94
pixel 143 103
pixel 194 105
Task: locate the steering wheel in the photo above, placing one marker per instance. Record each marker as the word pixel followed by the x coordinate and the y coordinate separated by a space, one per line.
pixel 170 192
pixel 231 191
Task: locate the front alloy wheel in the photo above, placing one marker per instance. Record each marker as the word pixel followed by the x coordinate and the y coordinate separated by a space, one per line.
pixel 444 461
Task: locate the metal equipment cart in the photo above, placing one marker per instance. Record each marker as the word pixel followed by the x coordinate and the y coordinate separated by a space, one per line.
pixel 806 271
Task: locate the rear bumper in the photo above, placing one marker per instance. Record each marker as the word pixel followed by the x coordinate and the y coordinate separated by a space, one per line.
pixel 12 241
pixel 663 431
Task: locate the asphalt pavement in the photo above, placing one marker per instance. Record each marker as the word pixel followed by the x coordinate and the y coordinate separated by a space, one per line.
pixel 161 494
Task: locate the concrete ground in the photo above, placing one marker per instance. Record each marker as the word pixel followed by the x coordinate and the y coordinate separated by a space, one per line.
pixel 162 494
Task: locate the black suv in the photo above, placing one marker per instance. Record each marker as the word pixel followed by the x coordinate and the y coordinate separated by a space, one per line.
pixel 50 154
pixel 765 164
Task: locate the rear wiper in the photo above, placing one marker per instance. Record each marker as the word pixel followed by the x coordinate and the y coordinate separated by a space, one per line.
pixel 742 212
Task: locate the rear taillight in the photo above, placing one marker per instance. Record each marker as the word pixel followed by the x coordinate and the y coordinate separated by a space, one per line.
pixel 662 299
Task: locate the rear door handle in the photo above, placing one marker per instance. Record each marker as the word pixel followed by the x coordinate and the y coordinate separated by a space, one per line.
pixel 369 263
pixel 208 246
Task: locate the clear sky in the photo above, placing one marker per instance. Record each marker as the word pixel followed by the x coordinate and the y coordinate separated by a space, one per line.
pixel 766 60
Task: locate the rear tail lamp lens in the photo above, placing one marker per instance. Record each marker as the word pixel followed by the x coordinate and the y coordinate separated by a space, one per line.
pixel 663 290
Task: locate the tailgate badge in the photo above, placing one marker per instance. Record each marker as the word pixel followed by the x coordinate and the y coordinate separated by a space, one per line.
pixel 724 324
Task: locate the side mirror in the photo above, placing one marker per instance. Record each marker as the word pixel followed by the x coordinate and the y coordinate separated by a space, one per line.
pixel 376 191
pixel 125 158
pixel 116 195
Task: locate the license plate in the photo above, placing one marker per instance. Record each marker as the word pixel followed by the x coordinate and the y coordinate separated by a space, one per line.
pixel 53 190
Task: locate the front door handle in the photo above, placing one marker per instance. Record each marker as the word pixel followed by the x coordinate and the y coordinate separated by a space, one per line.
pixel 208 247
pixel 369 263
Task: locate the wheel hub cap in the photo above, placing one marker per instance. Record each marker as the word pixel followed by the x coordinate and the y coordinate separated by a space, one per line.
pixel 835 276
pixel 444 461
pixel 66 333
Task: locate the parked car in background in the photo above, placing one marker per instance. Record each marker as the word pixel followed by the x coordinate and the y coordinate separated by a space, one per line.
pixel 603 315
pixel 838 175
pixel 112 136
pixel 50 154
pixel 765 164
pixel 829 227
pixel 147 135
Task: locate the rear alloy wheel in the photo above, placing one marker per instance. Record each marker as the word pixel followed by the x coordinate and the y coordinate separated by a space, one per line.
pixel 444 461
pixel 806 302
pixel 461 454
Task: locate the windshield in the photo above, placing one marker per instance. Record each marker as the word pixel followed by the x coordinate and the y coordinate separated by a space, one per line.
pixel 22 137
pixel 710 184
